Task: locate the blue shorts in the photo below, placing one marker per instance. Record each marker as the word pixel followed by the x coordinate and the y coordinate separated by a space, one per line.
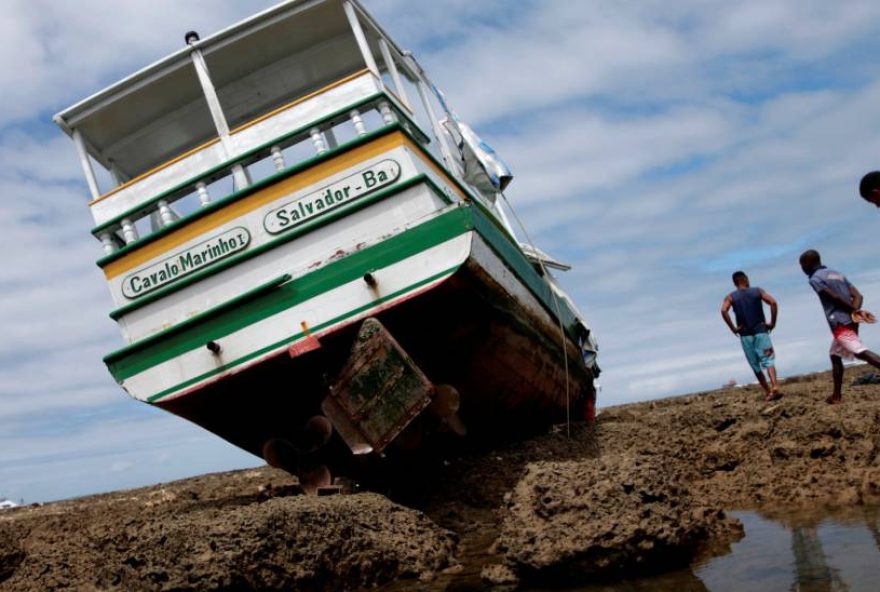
pixel 759 351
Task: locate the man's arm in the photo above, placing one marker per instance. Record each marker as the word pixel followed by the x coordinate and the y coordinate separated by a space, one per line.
pixel 774 309
pixel 843 303
pixel 857 298
pixel 725 314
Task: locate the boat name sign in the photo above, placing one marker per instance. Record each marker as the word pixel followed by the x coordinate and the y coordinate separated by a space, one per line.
pixel 186 262
pixel 345 190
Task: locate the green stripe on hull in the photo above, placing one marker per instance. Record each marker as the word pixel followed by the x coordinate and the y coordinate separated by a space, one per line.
pixel 153 351
pixel 140 356
pixel 513 257
pixel 288 340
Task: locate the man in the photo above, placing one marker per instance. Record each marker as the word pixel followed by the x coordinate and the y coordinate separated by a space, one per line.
pixel 842 303
pixel 869 188
pixel 753 329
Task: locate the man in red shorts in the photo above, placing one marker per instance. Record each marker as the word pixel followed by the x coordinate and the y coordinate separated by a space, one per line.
pixel 840 299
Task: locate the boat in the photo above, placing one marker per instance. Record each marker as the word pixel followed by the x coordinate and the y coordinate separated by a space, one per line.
pixel 309 253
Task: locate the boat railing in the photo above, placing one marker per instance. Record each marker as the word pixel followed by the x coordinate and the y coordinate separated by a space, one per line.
pixel 172 208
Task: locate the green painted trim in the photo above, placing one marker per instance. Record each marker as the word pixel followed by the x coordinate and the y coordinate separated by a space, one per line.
pixel 499 242
pixel 144 354
pixel 281 239
pixel 509 251
pixel 211 174
pixel 288 340
pixel 216 323
pixel 204 316
pixel 242 193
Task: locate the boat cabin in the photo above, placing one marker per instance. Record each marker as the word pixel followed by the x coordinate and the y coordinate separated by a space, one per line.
pixel 222 113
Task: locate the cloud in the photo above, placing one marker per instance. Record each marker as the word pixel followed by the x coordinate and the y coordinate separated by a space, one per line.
pixel 657 147
pixel 53 52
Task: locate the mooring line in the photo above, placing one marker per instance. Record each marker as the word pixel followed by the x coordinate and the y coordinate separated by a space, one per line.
pixel 558 314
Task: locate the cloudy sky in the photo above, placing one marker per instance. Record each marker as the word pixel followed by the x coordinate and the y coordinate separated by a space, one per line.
pixel 657 146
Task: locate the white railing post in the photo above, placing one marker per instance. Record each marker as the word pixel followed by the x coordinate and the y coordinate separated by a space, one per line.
pixel 166 216
pixel 129 232
pixel 108 243
pixel 388 115
pixel 318 140
pixel 86 164
pixel 359 126
pixel 278 158
pixel 361 39
pixel 204 196
pixel 395 73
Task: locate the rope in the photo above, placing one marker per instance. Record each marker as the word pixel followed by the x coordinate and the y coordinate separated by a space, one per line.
pixel 558 317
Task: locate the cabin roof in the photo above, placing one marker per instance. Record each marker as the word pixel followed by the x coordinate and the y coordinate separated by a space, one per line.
pixel 159 111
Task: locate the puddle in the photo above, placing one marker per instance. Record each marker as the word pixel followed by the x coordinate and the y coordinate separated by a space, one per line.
pixel 798 551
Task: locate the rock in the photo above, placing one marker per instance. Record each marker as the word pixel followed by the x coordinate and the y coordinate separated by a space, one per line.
pixel 11 553
pixel 499 575
pixel 572 521
pixel 823 449
pixel 289 543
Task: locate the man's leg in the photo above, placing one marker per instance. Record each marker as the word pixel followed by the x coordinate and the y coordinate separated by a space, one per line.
pixel 772 372
pixel 750 349
pixel 763 381
pixel 870 357
pixel 837 375
pixel 767 360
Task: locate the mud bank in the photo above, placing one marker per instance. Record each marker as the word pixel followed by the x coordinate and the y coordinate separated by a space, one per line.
pixel 236 531
pixel 739 452
pixel 570 521
pixel 643 490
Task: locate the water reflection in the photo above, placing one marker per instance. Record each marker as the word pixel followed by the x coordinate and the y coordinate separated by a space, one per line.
pixel 812 572
pixel 825 552
pixel 785 551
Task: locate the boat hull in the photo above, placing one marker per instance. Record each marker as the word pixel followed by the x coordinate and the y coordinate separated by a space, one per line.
pixel 479 329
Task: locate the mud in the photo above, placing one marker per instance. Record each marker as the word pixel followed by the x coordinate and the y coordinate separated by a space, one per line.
pixel 643 490
pixel 581 521
pixel 236 531
pixel 739 452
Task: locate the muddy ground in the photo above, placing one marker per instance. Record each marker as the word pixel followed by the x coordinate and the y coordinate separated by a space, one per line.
pixel 643 490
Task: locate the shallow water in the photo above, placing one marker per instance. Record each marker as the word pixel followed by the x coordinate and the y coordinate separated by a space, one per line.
pixel 797 551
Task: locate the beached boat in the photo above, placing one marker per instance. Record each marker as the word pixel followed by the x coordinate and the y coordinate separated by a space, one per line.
pixel 308 251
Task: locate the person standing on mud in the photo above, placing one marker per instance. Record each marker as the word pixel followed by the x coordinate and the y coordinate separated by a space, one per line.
pixel 753 329
pixel 869 188
pixel 842 303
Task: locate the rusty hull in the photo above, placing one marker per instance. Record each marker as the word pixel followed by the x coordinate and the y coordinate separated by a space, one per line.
pixel 468 332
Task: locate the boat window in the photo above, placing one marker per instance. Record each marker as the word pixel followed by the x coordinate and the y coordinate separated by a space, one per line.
pixel 150 124
pixel 103 177
pixel 286 60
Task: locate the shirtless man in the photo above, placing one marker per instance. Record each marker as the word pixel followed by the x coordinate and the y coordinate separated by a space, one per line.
pixel 840 299
pixel 753 329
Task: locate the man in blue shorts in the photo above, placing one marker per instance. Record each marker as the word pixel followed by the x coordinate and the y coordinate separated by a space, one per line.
pixel 753 329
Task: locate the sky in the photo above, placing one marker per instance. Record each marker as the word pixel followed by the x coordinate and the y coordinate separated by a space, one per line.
pixel 657 148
